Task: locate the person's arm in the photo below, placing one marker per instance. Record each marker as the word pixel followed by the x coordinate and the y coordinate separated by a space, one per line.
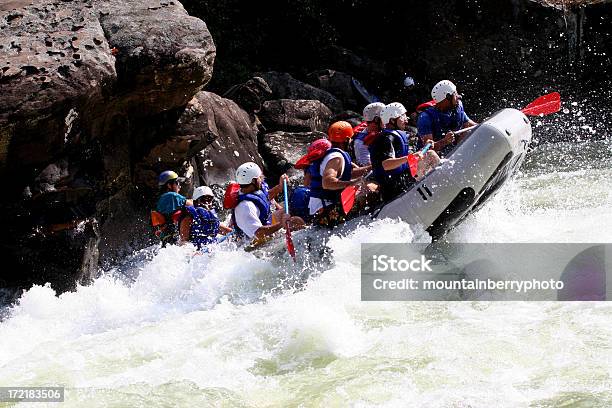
pixel 390 164
pixel 224 230
pixel 465 119
pixel 387 154
pixel 307 178
pixel 466 123
pixel 361 171
pixel 330 176
pixel 440 144
pixel 277 189
pixel 267 230
pixel 184 229
pixel 247 219
pixel 425 132
pixel 178 201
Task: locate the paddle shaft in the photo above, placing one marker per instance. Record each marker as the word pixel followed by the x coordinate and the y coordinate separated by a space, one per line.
pixel 460 131
pixel 288 240
pixel 226 236
pixel 286 197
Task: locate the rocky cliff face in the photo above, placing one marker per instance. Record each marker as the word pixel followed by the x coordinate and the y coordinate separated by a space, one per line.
pixel 88 89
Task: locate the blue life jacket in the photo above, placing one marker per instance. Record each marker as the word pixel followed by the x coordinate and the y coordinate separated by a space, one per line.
pixel 438 129
pixel 261 201
pixel 298 203
pixel 204 226
pixel 316 178
pixel 379 171
pixel 361 135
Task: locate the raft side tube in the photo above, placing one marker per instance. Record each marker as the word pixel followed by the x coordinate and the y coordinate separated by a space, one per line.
pixel 473 172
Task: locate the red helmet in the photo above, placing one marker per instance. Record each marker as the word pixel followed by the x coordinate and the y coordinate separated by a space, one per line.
pixel 315 151
pixel 340 132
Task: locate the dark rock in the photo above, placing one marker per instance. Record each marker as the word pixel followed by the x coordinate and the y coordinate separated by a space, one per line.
pixel 233 131
pixel 340 85
pixel 161 53
pixel 51 175
pixel 123 225
pixel 355 64
pixel 351 117
pixel 295 115
pixel 280 150
pixel 250 95
pixel 213 137
pixel 53 253
pixel 284 86
pixel 74 126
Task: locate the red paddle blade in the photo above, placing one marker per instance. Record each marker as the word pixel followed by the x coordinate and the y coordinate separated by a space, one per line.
pixel 413 163
pixel 290 247
pixel 347 197
pixel 544 105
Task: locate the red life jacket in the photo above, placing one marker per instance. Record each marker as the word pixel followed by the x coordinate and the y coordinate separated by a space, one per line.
pixel 425 105
pixel 230 199
pixel 360 127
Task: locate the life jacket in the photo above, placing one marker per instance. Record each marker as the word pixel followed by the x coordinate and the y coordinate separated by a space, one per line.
pixel 166 227
pixel 360 127
pixel 361 135
pixel 230 199
pixel 261 201
pixel 316 182
pixel 204 226
pixel 377 168
pixel 298 202
pixel 425 105
pixel 436 126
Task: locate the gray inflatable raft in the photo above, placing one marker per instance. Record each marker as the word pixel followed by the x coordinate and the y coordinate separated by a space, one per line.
pixel 472 173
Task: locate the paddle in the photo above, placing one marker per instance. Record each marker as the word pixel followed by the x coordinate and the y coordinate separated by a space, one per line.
pixel 347 197
pixel 544 105
pixel 290 247
pixel 413 160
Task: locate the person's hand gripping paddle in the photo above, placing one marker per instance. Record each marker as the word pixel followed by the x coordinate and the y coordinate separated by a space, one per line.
pixel 347 197
pixel 413 159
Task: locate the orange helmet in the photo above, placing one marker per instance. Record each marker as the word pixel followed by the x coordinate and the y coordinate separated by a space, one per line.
pixel 340 132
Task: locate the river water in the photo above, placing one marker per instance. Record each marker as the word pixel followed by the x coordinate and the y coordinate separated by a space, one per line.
pixel 223 330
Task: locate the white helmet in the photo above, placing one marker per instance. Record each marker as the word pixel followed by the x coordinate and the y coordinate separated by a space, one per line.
pixel 202 191
pixel 247 172
pixel 392 110
pixel 408 81
pixel 372 110
pixel 441 89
